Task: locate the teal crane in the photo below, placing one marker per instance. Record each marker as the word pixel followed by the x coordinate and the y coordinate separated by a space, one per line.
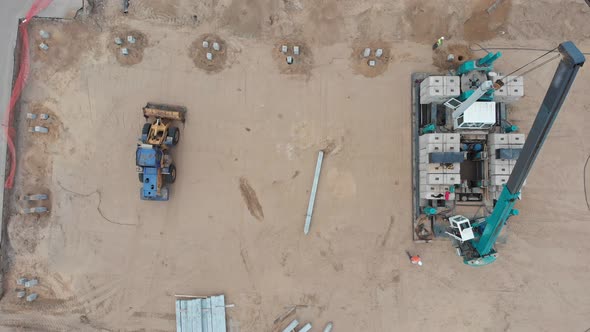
pixel 480 250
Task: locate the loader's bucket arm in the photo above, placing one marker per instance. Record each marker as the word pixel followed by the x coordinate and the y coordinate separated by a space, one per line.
pixel 164 111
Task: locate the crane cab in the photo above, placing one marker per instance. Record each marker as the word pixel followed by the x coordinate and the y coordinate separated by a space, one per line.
pixel 460 228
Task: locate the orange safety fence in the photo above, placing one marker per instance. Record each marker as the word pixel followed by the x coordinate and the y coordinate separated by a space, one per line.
pixel 19 84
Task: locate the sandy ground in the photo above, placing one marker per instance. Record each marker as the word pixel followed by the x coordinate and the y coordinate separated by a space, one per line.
pixel 107 261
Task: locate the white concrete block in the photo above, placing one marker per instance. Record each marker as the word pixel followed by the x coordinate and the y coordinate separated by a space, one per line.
pixel 205 44
pixel 514 81
pixel 434 91
pixel 435 179
pixel 434 147
pixel 494 161
pixel 454 81
pixel 216 46
pixel 432 81
pixel 431 138
pixel 454 168
pixel 284 49
pixel 433 187
pixel 379 52
pixel 451 147
pixel 495 139
pixel 366 52
pixel 431 168
pixel 452 91
pixel 372 63
pixel 296 50
pixel 451 138
pixel 209 56
pixel 503 169
pixel 452 179
pixel 499 180
pixel 515 91
pixel 501 92
pixel 516 139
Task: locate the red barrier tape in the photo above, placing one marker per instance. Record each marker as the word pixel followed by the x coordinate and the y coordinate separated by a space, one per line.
pixel 23 73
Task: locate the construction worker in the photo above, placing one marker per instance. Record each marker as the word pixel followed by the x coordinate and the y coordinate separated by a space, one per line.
pixel 414 259
pixel 438 43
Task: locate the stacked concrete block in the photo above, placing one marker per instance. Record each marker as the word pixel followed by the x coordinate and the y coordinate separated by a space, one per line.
pixel 436 191
pixel 431 168
pixel 514 81
pixel 433 147
pixel 432 94
pixel 431 139
pixel 452 138
pixel 512 90
pixel 452 178
pixel 435 178
pixel 454 168
pixel 439 89
pixel 452 86
pixel 430 178
pixel 500 169
pixel 451 143
pixel 499 180
pixel 516 139
pixel 432 81
pixel 496 139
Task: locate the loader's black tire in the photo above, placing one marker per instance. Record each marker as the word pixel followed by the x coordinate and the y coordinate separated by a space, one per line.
pixel 146 128
pixel 174 132
pixel 170 178
pixel 140 175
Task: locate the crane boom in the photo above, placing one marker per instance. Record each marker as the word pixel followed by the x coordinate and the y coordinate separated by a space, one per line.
pixel 480 251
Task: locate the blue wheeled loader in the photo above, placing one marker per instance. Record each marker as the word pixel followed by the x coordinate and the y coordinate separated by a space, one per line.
pixel 155 167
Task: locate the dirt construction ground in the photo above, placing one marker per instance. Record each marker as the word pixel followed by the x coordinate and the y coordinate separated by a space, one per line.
pixel 107 261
